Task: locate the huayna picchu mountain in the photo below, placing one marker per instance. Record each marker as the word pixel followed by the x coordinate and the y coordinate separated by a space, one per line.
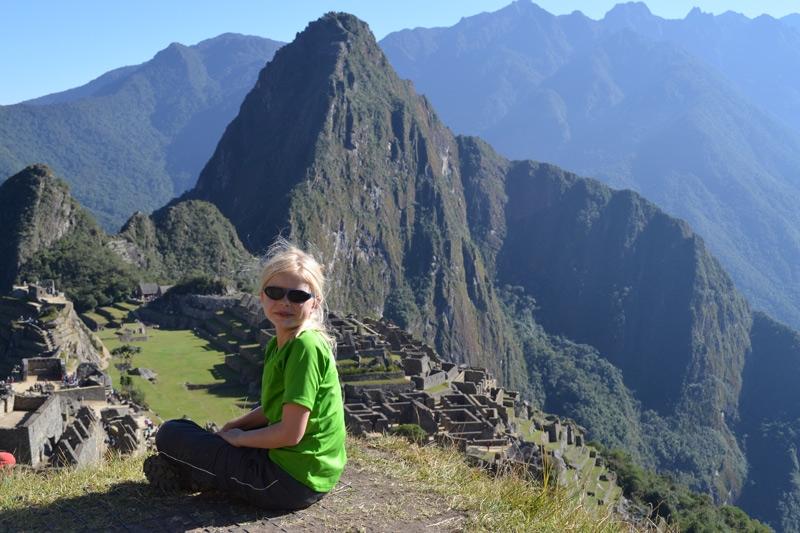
pixel 331 147
pixel 505 264
pixel 48 235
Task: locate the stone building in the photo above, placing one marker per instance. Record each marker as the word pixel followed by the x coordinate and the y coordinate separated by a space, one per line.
pixel 30 427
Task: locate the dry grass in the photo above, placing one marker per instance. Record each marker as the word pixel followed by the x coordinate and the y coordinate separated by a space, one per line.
pixel 492 502
pixel 468 498
pixel 25 488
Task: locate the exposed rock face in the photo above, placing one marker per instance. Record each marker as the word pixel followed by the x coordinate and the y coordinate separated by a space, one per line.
pixel 50 236
pixel 74 339
pixel 36 210
pixel 611 270
pixel 770 423
pixel 137 243
pixel 47 234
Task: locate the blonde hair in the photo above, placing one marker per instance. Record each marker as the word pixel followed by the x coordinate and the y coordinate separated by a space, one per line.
pixel 283 256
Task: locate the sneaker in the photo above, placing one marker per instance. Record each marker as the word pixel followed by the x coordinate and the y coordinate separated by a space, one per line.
pixel 163 475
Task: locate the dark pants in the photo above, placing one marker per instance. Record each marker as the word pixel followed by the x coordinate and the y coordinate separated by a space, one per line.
pixel 209 462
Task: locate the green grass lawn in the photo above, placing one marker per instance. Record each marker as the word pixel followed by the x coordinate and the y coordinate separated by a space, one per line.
pixel 97 318
pixel 442 387
pixel 126 305
pixel 179 357
pixel 116 313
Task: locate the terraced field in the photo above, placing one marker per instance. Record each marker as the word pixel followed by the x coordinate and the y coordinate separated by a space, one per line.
pixel 180 357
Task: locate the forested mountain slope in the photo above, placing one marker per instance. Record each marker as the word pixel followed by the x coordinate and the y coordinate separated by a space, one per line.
pixel 700 115
pixel 137 136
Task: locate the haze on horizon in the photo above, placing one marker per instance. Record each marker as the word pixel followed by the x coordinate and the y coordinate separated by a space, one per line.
pixel 49 46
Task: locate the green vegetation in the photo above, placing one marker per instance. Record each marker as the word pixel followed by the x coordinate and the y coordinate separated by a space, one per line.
pixel 412 432
pixel 709 156
pixel 352 369
pixel 90 274
pixel 200 285
pixel 663 335
pixel 49 236
pixel 191 242
pixel 662 331
pixel 680 507
pixel 179 357
pixel 495 503
pixel 364 383
pixel 122 151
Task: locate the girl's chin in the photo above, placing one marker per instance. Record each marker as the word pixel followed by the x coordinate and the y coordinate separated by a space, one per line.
pixel 285 322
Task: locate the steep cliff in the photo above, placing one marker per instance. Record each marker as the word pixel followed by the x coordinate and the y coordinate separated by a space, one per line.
pixel 36 210
pixel 50 236
pixel 770 424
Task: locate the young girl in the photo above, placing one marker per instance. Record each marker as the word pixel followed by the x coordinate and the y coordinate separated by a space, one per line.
pixel 288 452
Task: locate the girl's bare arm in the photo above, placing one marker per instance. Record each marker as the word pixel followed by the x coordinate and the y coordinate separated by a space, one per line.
pixel 288 432
pixel 253 419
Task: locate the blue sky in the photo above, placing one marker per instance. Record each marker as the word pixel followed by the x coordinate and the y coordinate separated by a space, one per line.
pixel 52 45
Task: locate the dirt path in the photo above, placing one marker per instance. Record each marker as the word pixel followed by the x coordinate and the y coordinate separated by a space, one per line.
pixel 365 500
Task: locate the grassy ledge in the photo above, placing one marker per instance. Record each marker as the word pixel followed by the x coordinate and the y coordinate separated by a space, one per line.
pixel 421 481
pixel 502 502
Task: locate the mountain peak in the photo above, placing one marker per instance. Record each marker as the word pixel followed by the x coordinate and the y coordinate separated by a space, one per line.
pixel 303 93
pixel 36 170
pixel 630 11
pixel 36 209
pixel 336 27
pixel 635 16
pixel 696 12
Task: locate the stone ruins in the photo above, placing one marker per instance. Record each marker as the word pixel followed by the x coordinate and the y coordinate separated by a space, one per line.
pixel 49 416
pixel 391 379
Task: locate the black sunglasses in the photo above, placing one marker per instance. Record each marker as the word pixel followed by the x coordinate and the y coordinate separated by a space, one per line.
pixel 295 296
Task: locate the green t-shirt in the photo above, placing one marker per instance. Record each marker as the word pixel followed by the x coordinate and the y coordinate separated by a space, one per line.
pixel 303 372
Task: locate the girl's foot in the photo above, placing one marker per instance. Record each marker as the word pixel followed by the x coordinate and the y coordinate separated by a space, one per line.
pixel 164 475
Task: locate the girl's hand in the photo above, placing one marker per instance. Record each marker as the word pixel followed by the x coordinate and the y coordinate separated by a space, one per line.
pixel 229 426
pixel 232 436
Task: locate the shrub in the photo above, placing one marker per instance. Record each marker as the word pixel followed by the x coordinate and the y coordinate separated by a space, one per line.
pixel 412 432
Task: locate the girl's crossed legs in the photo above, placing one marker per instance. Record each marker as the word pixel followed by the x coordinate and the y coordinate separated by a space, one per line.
pixel 205 461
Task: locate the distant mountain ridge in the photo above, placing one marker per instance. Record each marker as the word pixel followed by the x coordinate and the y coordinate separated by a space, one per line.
pixel 137 136
pixel 665 107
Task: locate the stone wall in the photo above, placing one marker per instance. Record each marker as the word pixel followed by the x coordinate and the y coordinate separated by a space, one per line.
pixel 95 393
pixel 81 442
pixel 52 368
pixel 74 338
pixel 15 440
pixel 43 428
pixel 65 335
